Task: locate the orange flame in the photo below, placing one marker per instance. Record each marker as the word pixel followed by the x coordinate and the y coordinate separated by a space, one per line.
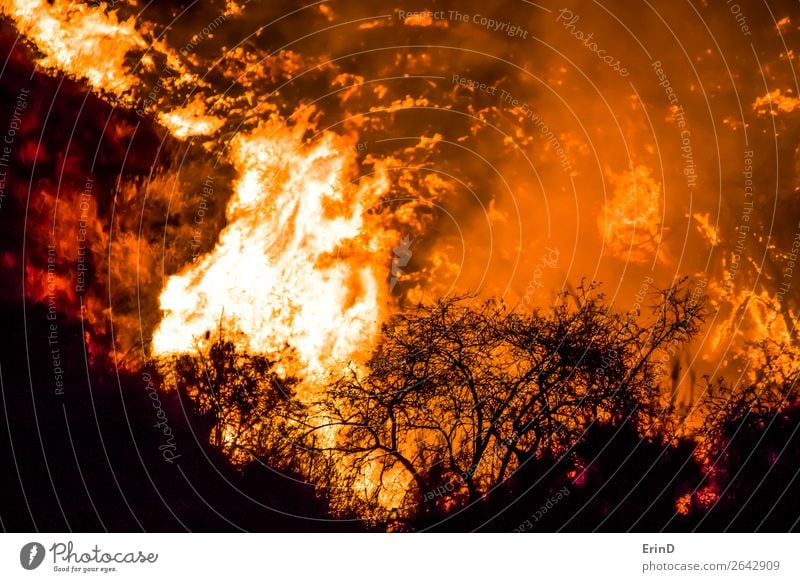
pixel 303 262
pixel 72 35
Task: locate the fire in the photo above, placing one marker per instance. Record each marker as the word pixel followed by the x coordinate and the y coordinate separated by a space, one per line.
pixel 750 318
pixel 775 102
pixel 631 224
pixel 304 266
pixel 72 36
pixel 191 120
pixel 301 269
pixel 303 262
pixel 704 226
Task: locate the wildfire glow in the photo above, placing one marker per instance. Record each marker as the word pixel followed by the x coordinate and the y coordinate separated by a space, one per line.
pixel 632 224
pixel 72 35
pixel 775 102
pixel 303 266
pixel 302 263
pixel 191 120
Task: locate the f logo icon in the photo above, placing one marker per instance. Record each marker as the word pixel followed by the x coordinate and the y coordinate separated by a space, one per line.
pixel 31 555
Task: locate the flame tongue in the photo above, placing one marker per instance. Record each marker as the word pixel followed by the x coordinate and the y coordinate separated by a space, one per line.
pixel 298 265
pixel 301 269
pixel 73 34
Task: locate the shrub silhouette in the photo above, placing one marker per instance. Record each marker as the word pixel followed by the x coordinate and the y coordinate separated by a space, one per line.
pixel 460 395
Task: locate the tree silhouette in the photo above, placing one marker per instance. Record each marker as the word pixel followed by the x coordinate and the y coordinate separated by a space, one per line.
pixel 460 399
pixel 461 394
pixel 238 402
